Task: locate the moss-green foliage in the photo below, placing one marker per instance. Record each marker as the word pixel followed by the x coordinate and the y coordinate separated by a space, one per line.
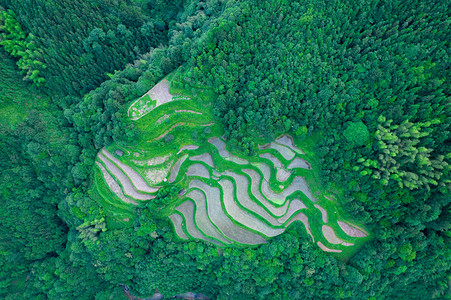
pixel 17 98
pixel 22 46
pixel 356 133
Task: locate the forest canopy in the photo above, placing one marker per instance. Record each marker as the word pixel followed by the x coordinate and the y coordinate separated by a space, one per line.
pixel 365 85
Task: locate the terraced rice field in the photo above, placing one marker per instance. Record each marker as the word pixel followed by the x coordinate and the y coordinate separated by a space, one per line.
pixel 228 200
pixel 205 157
pixel 177 220
pixel 287 141
pixel 128 187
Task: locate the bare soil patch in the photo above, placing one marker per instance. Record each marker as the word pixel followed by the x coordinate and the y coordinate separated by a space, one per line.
pixel 176 168
pixel 298 184
pixel 177 220
pixel 160 93
pixel 237 160
pixel 325 249
pixel 265 169
pixel 205 157
pixel 273 159
pixel 287 140
pixel 282 175
pixel 299 163
pixel 294 207
pixel 351 230
pixel 220 145
pixel 330 235
pixel 157 175
pixel 187 209
pixel 286 152
pixel 188 147
pixel 303 218
pixel 158 160
pixel 323 212
pixel 198 170
pixel 162 118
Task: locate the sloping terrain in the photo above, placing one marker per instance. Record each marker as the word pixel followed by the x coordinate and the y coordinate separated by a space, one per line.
pixel 229 199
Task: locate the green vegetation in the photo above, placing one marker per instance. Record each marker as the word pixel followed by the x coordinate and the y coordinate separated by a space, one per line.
pixel 220 211
pixel 362 87
pixel 356 134
pixel 19 45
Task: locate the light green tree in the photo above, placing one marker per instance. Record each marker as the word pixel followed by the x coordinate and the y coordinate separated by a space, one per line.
pixel 401 157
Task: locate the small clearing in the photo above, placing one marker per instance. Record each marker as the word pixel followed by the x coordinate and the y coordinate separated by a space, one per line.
pixel 112 184
pixel 303 218
pixel 323 212
pixel 351 230
pixel 201 218
pixel 188 147
pixel 205 157
pixel 176 168
pixel 325 249
pixel 299 163
pixel 294 207
pixel 157 175
pixel 127 185
pixel 160 93
pixel 177 220
pixel 134 176
pixel 198 170
pixel 241 216
pixel 287 140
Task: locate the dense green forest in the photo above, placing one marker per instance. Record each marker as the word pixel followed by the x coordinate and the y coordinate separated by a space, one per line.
pixel 367 81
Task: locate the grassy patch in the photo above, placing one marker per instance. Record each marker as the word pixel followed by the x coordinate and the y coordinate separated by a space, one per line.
pixel 17 98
